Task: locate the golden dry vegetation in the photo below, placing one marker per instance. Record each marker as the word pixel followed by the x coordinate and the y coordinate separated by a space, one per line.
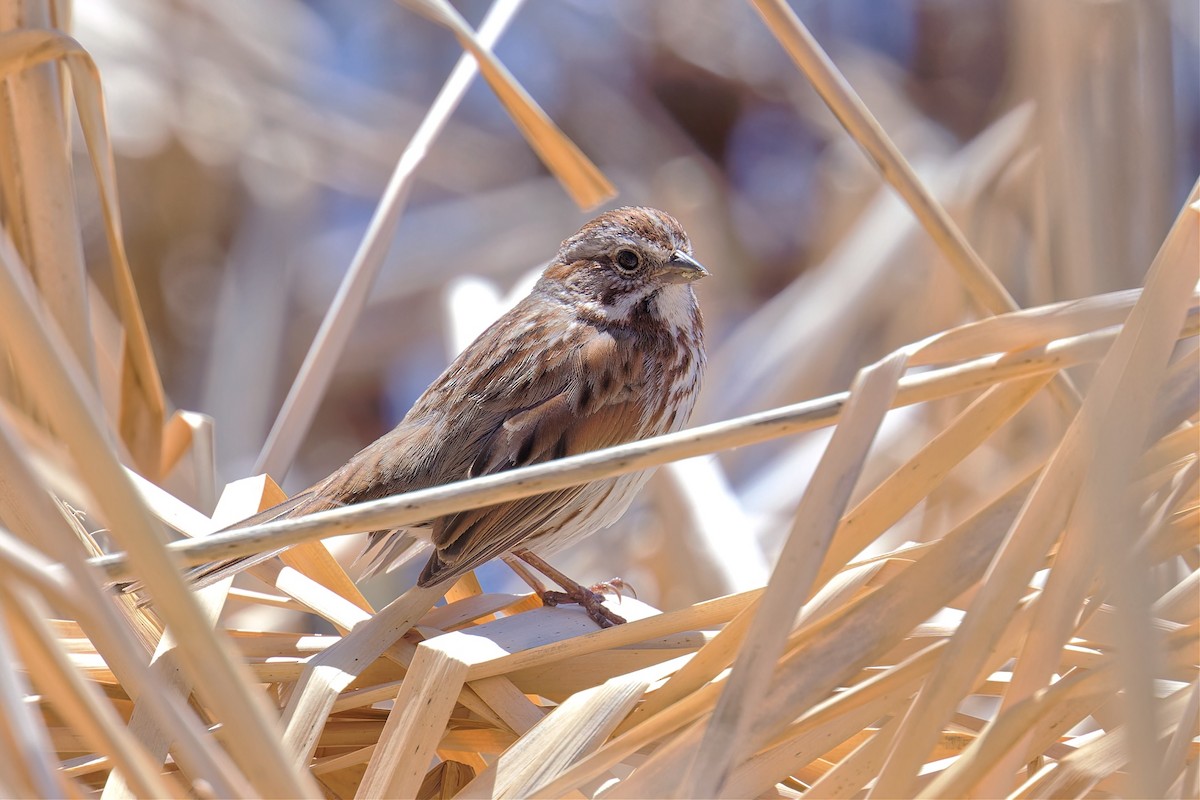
pixel 973 573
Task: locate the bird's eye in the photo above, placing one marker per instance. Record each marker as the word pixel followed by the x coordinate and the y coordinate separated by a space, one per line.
pixel 628 261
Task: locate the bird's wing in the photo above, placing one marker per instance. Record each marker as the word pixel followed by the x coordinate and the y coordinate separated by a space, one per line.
pixel 591 397
pixel 601 404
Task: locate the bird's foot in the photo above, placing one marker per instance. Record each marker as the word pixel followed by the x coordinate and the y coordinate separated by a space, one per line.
pixel 591 602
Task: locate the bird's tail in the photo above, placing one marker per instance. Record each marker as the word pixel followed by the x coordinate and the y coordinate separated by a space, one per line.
pixel 208 574
pixel 386 550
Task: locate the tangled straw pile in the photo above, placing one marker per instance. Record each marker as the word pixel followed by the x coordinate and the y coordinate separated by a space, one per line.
pixel 1065 590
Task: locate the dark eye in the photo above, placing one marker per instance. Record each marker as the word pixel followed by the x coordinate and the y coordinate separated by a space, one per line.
pixel 628 261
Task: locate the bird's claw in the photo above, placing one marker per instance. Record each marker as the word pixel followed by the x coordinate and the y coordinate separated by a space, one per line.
pixel 614 586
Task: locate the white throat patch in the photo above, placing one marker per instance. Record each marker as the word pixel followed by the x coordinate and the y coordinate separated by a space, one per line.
pixel 675 303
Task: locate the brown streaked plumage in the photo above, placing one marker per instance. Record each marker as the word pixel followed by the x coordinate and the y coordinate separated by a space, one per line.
pixel 607 348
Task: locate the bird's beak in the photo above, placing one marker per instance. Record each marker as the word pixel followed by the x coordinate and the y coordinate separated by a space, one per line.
pixel 682 268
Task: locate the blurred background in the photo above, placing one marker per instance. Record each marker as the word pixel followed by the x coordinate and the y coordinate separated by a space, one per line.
pixel 255 139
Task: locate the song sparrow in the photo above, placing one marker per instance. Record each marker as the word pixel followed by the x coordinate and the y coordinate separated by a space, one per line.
pixel 607 348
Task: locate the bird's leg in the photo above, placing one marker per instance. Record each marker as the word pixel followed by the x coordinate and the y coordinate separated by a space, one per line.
pixel 591 601
pixel 524 574
pixel 615 586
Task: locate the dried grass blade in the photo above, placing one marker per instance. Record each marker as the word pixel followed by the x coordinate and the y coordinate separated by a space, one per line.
pixel 833 721
pixel 301 403
pixel 1173 447
pixel 415 724
pixel 1182 602
pixel 263 599
pixel 816 519
pixel 1029 327
pixel 853 771
pixel 192 434
pixel 579 176
pixel 717 654
pixel 573 730
pixel 1089 763
pixel 445 781
pixel 531 646
pixel 464 587
pixel 166 663
pixel 39 191
pixel 170 510
pixel 840 716
pixel 1179 394
pixel 177 440
pixel 519 713
pixel 48 370
pixel 143 405
pixel 901 491
pixel 470 608
pixel 1175 758
pixel 674 717
pixel 846 642
pixel 708 662
pixel 314 561
pixel 328 674
pixel 1110 512
pixel 854 115
pixel 333 597
pixel 1057 614
pixel 29 766
pixel 980 282
pixel 331 606
pixel 670 759
pixel 1146 339
pixel 77 587
pixel 81 703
